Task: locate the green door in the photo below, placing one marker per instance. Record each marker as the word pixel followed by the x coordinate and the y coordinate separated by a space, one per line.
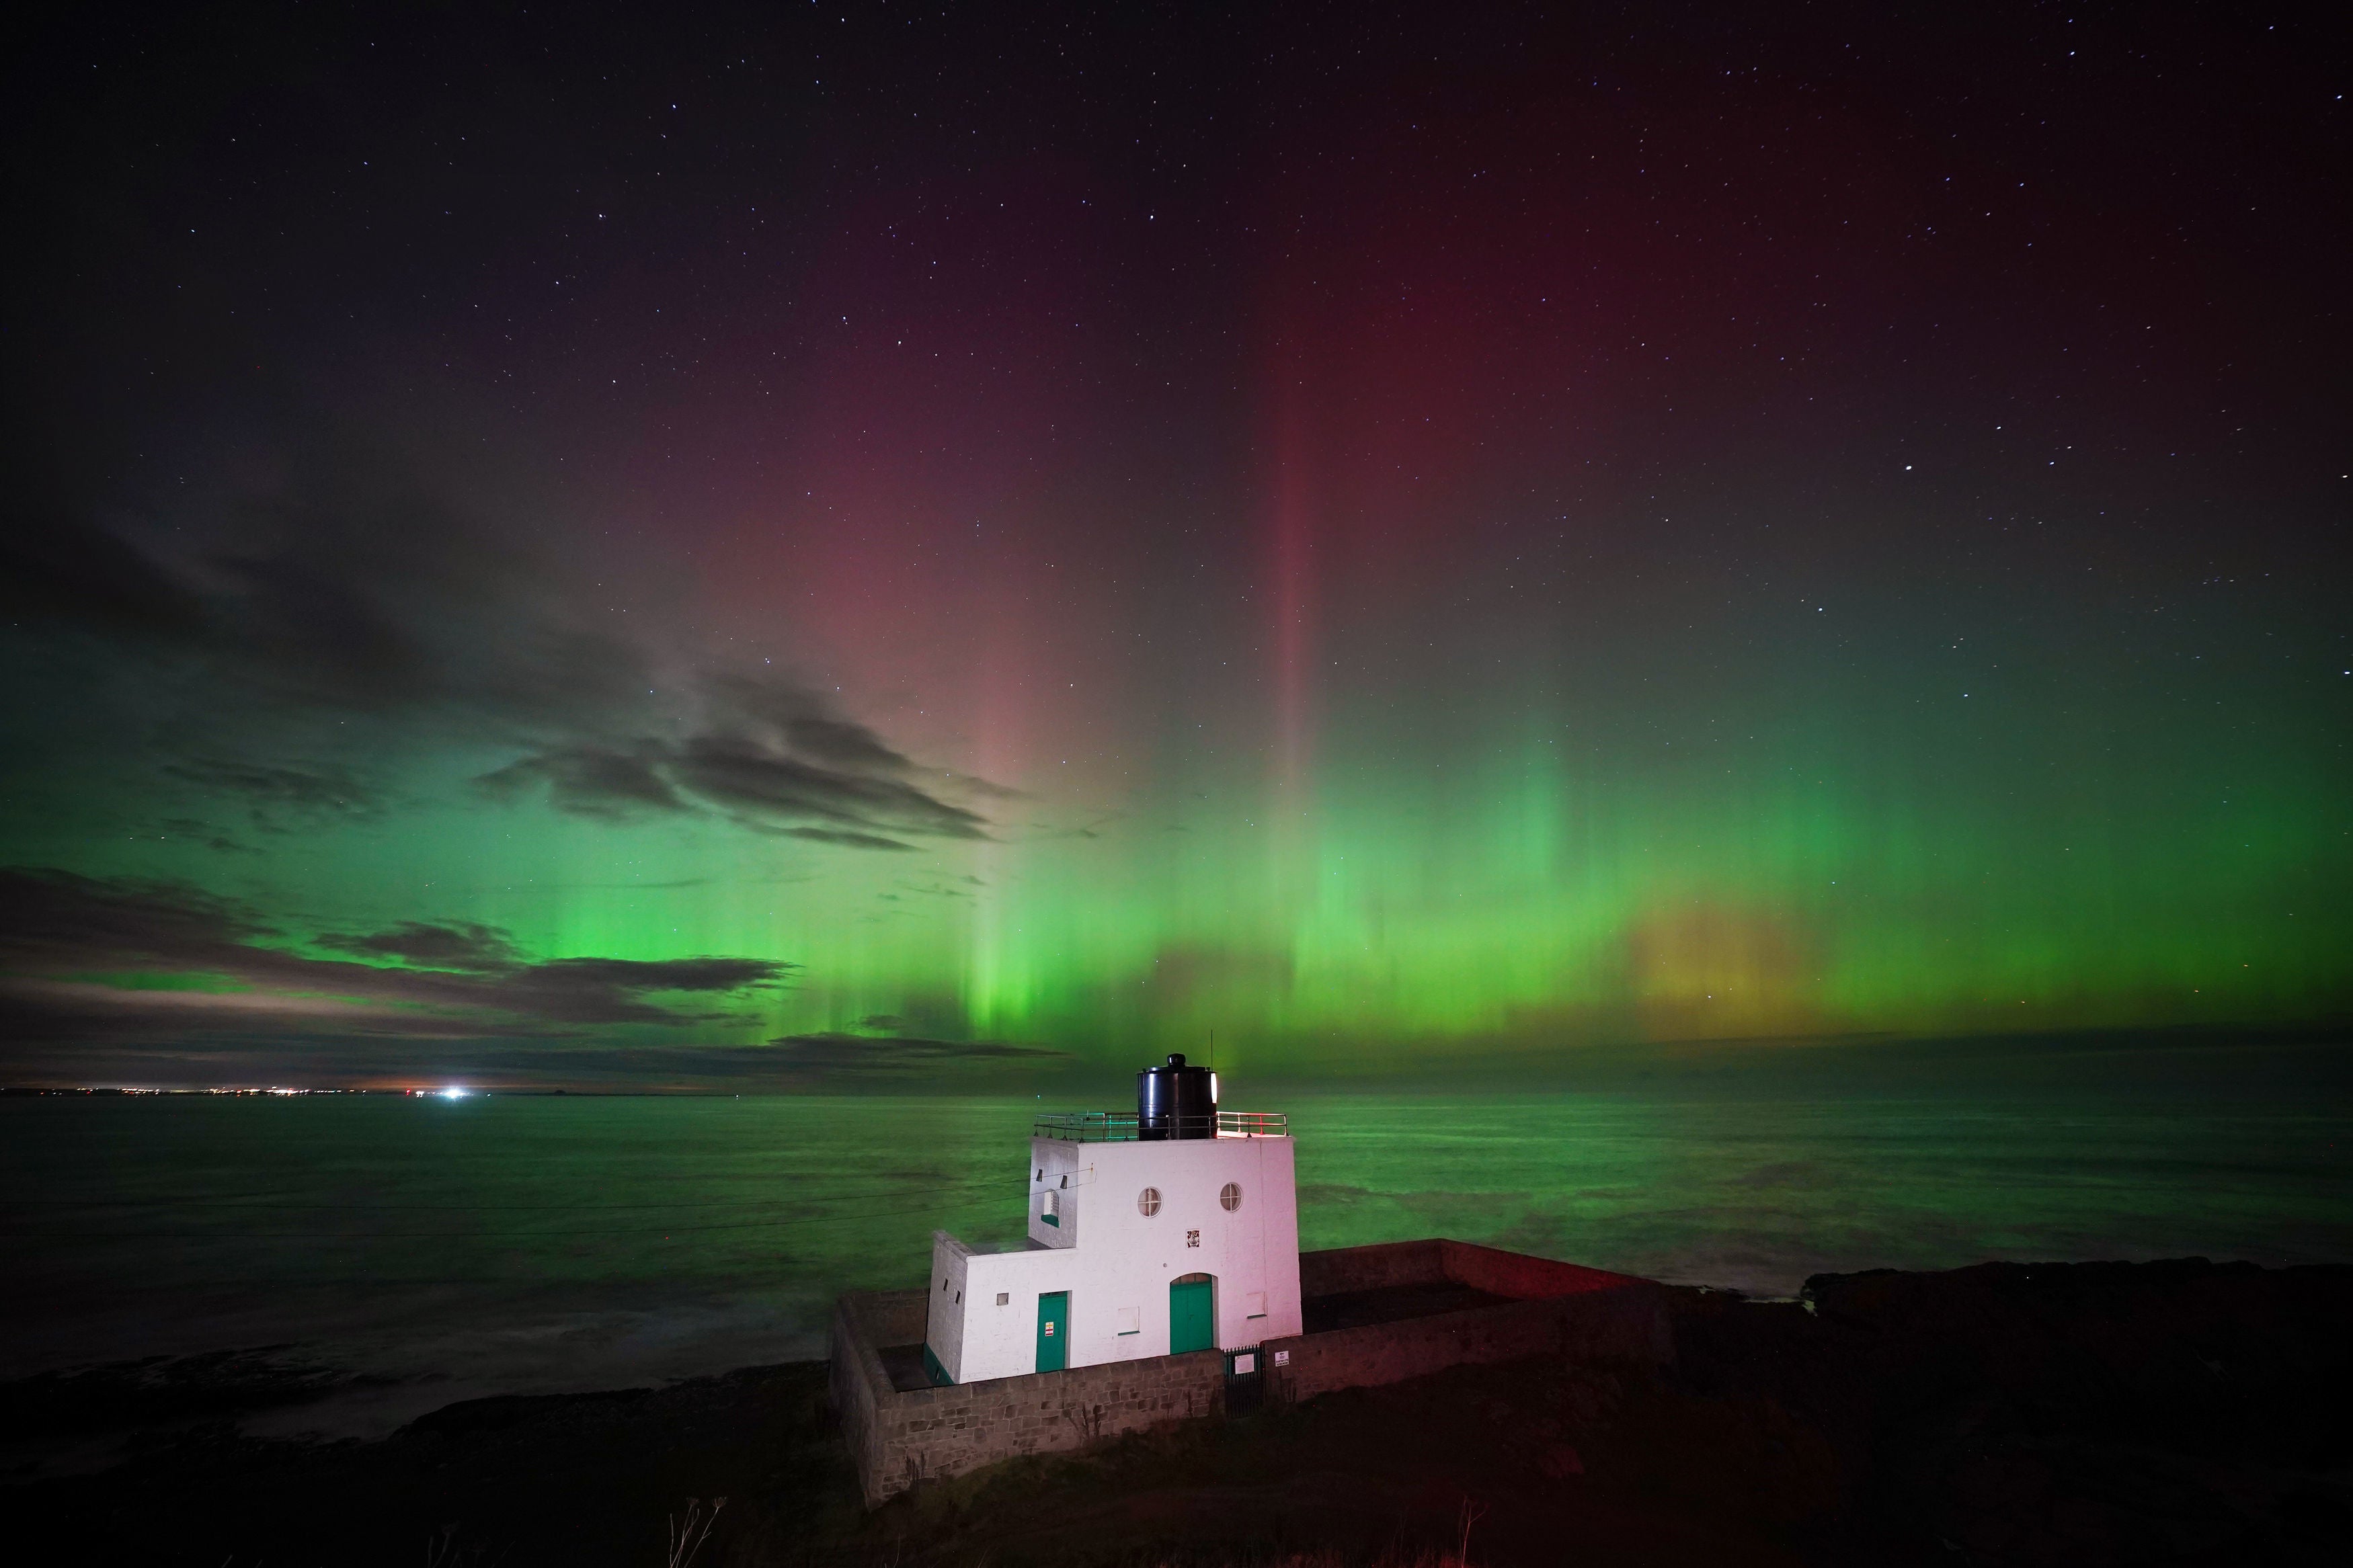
pixel 1054 1330
pixel 1192 1314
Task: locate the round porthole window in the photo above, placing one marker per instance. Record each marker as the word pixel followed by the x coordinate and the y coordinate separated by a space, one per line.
pixel 1147 1202
pixel 1231 1198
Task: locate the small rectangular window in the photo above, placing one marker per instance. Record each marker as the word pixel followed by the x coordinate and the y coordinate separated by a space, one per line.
pixel 1254 1304
pixel 1131 1320
pixel 1004 1298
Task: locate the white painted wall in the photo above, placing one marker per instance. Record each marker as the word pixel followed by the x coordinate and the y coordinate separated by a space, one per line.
pixel 1117 1263
pixel 951 1273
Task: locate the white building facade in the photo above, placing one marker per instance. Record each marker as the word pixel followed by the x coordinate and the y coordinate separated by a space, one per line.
pixel 1137 1247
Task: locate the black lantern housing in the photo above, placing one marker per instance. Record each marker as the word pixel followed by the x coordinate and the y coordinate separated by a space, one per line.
pixel 1176 1102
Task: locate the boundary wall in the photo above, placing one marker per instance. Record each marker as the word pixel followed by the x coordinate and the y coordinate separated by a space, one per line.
pixel 899 1438
pixel 1554 1309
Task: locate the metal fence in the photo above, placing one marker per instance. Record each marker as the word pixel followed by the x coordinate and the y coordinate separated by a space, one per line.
pixel 1126 1126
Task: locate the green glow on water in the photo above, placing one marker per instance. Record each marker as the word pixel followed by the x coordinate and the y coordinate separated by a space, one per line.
pixel 499 1230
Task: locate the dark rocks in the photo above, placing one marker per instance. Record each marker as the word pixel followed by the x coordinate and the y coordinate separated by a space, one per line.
pixel 1559 1462
pixel 2184 1413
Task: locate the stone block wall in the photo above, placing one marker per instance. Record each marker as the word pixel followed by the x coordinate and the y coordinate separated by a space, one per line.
pixel 857 1384
pixel 1615 1323
pixel 899 1438
pixel 1552 1308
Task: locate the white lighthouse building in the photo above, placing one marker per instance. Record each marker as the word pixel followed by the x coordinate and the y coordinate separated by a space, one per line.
pixel 1174 1228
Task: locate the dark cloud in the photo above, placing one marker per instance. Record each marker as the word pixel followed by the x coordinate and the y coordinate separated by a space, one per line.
pixel 856 786
pixel 638 975
pixel 273 791
pixel 828 781
pixel 851 746
pixel 853 841
pixel 588 781
pixel 357 596
pixel 476 949
pixel 56 919
pixel 897 1055
pixel 86 959
pixel 1040 832
pixel 935 890
pixel 350 641
pixel 56 568
pixel 354 594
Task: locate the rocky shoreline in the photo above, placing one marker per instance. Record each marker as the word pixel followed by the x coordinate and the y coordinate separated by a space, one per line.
pixel 2174 1412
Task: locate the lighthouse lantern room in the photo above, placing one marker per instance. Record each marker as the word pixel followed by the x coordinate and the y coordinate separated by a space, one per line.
pixel 1172 1228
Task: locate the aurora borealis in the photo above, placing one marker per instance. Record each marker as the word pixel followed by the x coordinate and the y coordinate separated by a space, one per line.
pixel 909 541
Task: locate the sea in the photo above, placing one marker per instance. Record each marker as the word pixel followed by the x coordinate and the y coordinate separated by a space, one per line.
pixel 391 1254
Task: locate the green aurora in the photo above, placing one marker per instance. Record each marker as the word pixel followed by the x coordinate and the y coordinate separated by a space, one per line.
pixel 1528 882
pixel 1455 564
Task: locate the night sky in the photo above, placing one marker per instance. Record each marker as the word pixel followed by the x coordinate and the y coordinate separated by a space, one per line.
pixel 899 543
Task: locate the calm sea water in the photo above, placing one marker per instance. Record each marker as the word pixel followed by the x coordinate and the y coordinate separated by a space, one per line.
pixel 453 1248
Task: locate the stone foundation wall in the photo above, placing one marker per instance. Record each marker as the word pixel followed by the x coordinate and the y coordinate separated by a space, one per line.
pixel 1555 1308
pixel 856 1382
pixel 1616 1323
pixel 901 1438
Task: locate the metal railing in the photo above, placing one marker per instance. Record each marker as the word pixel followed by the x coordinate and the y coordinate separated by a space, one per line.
pixel 1126 1126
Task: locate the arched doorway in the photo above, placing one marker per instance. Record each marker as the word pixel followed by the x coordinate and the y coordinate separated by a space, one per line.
pixel 1192 1313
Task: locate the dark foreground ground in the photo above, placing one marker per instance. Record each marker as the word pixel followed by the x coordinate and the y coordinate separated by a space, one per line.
pixel 2064 1414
